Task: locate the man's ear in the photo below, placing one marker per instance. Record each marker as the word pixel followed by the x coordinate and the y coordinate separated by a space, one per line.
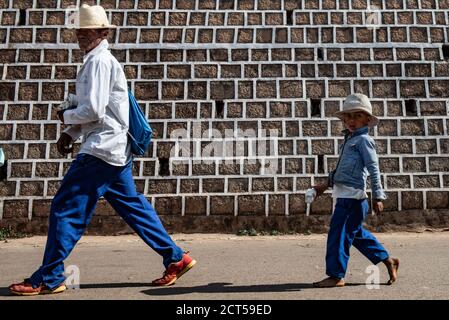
pixel 104 33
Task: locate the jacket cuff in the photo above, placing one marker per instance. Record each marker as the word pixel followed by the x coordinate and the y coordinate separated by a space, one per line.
pixel 73 131
pixel 379 194
pixel 64 116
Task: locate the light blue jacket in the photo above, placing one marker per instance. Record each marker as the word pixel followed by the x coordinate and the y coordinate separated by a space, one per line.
pixel 358 157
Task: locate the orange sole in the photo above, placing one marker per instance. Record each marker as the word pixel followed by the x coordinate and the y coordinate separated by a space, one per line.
pixel 189 266
pixel 57 290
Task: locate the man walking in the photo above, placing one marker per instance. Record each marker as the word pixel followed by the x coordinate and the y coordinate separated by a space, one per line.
pixel 103 166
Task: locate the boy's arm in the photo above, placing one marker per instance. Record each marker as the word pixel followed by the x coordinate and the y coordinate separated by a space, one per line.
pixel 329 184
pixel 320 188
pixel 367 149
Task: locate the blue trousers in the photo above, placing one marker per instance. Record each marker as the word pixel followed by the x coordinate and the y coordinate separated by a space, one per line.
pixel 88 179
pixel 346 230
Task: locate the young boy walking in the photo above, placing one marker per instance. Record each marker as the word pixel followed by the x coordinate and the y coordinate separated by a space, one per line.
pixel 348 182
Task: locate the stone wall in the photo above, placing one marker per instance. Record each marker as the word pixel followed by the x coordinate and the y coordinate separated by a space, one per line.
pixel 200 67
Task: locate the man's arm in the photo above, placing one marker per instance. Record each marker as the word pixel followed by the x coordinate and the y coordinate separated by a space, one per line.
pixel 320 188
pixel 73 131
pixel 94 95
pixel 68 136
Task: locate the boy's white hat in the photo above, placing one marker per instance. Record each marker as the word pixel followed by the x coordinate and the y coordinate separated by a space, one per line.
pixel 93 17
pixel 358 102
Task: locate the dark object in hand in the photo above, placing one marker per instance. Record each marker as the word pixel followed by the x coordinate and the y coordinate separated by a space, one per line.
pixel 64 144
pixel 60 114
pixel 3 171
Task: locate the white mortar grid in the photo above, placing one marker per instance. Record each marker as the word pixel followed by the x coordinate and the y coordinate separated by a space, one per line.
pixel 266 205
pixel 183 206
pixel 236 204
pixel 208 205
pixel 30 208
pixel 424 200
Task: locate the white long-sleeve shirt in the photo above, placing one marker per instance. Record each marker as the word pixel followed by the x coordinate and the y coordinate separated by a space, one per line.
pixel 102 113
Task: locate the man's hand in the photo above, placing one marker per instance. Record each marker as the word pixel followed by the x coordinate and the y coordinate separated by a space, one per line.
pixel 60 114
pixel 63 144
pixel 378 206
pixel 320 189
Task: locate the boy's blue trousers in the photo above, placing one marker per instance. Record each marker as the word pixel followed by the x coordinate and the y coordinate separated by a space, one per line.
pixel 346 230
pixel 88 179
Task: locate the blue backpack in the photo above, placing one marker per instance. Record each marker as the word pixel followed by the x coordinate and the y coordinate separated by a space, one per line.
pixel 139 132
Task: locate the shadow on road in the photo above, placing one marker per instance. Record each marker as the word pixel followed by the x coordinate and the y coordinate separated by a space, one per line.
pixel 4 292
pixel 218 287
pixel 223 287
pixel 114 285
pixel 361 284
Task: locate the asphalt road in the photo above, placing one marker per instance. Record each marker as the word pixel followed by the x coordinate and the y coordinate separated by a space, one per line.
pixel 235 267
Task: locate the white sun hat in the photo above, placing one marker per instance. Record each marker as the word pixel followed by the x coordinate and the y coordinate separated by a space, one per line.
pixel 93 17
pixel 355 103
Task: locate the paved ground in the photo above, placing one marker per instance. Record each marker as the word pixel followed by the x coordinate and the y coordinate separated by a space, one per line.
pixel 234 267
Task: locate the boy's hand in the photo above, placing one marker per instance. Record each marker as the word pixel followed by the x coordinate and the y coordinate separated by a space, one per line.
pixel 378 206
pixel 320 189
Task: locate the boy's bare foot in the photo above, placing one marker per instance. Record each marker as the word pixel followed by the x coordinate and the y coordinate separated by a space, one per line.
pixel 392 265
pixel 329 283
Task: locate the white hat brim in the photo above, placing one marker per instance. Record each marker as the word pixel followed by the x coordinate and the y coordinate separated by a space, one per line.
pixel 110 26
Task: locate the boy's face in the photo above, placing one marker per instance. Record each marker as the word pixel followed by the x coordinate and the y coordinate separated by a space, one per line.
pixel 356 120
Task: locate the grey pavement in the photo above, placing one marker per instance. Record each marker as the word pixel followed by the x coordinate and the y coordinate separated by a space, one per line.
pixel 235 267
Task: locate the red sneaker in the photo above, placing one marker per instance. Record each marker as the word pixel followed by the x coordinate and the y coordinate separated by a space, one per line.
pixel 174 271
pixel 26 289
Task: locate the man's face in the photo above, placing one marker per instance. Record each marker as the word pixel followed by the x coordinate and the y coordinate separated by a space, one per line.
pixel 88 38
pixel 356 120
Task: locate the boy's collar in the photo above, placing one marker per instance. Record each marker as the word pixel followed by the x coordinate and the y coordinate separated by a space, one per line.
pixel 357 132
